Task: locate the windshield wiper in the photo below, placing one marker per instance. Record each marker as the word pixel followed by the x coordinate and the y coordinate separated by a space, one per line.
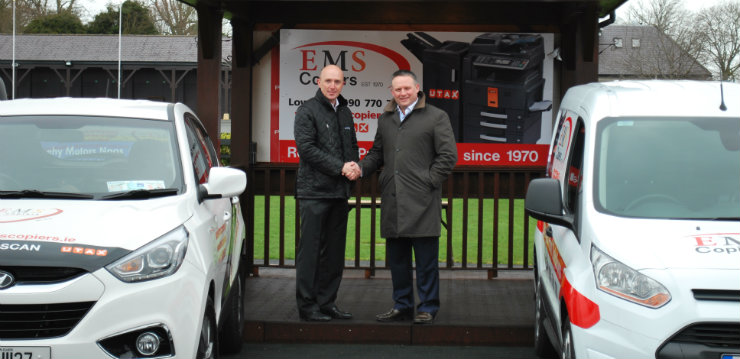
pixel 33 193
pixel 141 194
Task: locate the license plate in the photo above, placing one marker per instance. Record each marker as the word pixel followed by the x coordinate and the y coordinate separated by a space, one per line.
pixel 730 356
pixel 25 353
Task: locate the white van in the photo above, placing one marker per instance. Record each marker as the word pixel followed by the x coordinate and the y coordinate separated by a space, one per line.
pixel 637 248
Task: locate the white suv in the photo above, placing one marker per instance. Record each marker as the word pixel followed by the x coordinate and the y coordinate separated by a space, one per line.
pixel 637 253
pixel 120 234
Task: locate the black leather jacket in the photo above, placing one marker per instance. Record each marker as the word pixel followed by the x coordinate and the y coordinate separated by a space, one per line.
pixel 325 140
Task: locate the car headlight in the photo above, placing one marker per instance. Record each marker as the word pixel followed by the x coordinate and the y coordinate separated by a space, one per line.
pixel 160 258
pixel 624 282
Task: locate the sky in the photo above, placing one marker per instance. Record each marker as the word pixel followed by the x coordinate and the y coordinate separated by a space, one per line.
pixel 94 7
pixel 691 5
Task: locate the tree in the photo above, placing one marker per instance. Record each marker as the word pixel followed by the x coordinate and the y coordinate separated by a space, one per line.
pixel 104 22
pixel 675 49
pixel 24 13
pixel 174 17
pixel 62 23
pixel 6 16
pixel 66 5
pixel 28 10
pixel 136 20
pixel 666 15
pixel 719 29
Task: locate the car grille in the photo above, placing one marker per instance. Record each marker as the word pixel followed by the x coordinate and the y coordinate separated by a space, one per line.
pixel 711 334
pixel 36 321
pixel 717 295
pixel 702 341
pixel 42 275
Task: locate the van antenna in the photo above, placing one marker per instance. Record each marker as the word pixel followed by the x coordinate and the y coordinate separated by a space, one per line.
pixel 722 96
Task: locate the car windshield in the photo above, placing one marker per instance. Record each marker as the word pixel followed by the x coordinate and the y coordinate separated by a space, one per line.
pixel 677 168
pixel 50 156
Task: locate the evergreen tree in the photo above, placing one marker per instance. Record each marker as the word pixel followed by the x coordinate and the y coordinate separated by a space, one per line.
pixel 136 20
pixel 62 23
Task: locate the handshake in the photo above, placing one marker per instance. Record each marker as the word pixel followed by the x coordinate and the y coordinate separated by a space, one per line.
pixel 351 170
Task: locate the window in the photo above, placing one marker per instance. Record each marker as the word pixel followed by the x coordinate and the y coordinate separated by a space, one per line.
pixel 655 167
pixel 618 43
pixel 635 43
pixel 201 150
pixel 566 159
pixel 575 164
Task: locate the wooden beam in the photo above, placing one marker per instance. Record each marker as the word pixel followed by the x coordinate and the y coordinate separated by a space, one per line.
pixel 418 12
pixel 242 153
pixel 209 70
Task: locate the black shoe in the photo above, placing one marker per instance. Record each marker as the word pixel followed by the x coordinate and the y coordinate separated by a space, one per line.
pixel 395 315
pixel 424 318
pixel 315 317
pixel 335 313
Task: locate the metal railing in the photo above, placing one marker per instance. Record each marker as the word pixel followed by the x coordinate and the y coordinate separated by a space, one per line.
pixel 485 227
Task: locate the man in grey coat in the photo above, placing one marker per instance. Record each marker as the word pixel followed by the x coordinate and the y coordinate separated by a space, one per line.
pixel 415 145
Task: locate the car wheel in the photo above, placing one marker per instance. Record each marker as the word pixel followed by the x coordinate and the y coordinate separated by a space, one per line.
pixel 231 335
pixel 567 351
pixel 542 346
pixel 208 342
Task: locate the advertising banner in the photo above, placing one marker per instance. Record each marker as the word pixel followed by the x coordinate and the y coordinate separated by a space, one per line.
pixel 496 87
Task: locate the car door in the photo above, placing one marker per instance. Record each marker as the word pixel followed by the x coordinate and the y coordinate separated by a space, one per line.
pixel 218 212
pixel 561 243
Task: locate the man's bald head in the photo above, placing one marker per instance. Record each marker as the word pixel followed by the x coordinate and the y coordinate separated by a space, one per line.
pixel 331 82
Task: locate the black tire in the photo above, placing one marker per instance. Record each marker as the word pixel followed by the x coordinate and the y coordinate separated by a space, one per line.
pixel 567 351
pixel 542 346
pixel 208 339
pixel 231 334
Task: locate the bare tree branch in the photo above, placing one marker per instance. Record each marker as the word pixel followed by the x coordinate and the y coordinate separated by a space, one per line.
pixel 673 49
pixel 719 28
pixel 174 17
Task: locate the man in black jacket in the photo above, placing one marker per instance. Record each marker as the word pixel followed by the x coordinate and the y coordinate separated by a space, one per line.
pixel 327 145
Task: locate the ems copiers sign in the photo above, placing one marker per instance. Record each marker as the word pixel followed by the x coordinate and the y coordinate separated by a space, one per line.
pixel 368 58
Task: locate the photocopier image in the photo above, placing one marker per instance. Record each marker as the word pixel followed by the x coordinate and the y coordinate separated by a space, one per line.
pixel 492 88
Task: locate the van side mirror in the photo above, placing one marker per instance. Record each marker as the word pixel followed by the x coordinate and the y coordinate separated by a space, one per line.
pixel 544 202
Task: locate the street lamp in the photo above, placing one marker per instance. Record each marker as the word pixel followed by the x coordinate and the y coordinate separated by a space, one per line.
pixel 120 26
pixel 12 83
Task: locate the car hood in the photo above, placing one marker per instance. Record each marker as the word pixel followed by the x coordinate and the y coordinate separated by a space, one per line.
pixel 685 244
pixel 81 233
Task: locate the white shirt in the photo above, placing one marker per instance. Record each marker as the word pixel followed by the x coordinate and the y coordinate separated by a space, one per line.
pixel 402 114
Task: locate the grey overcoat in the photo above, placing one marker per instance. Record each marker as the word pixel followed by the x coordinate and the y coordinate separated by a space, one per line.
pixel 416 156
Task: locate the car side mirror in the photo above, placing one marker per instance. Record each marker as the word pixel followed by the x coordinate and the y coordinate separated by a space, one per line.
pixel 544 202
pixel 223 182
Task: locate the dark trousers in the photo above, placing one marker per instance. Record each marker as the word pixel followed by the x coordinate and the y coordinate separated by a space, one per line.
pixel 399 256
pixel 320 256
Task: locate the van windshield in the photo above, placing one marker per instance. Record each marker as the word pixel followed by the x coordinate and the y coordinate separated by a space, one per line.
pixel 674 168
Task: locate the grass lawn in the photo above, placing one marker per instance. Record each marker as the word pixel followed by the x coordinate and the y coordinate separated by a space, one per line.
pixel 364 240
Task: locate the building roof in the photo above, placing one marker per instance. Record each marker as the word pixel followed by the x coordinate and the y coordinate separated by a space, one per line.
pixel 644 52
pixel 614 62
pixel 104 48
